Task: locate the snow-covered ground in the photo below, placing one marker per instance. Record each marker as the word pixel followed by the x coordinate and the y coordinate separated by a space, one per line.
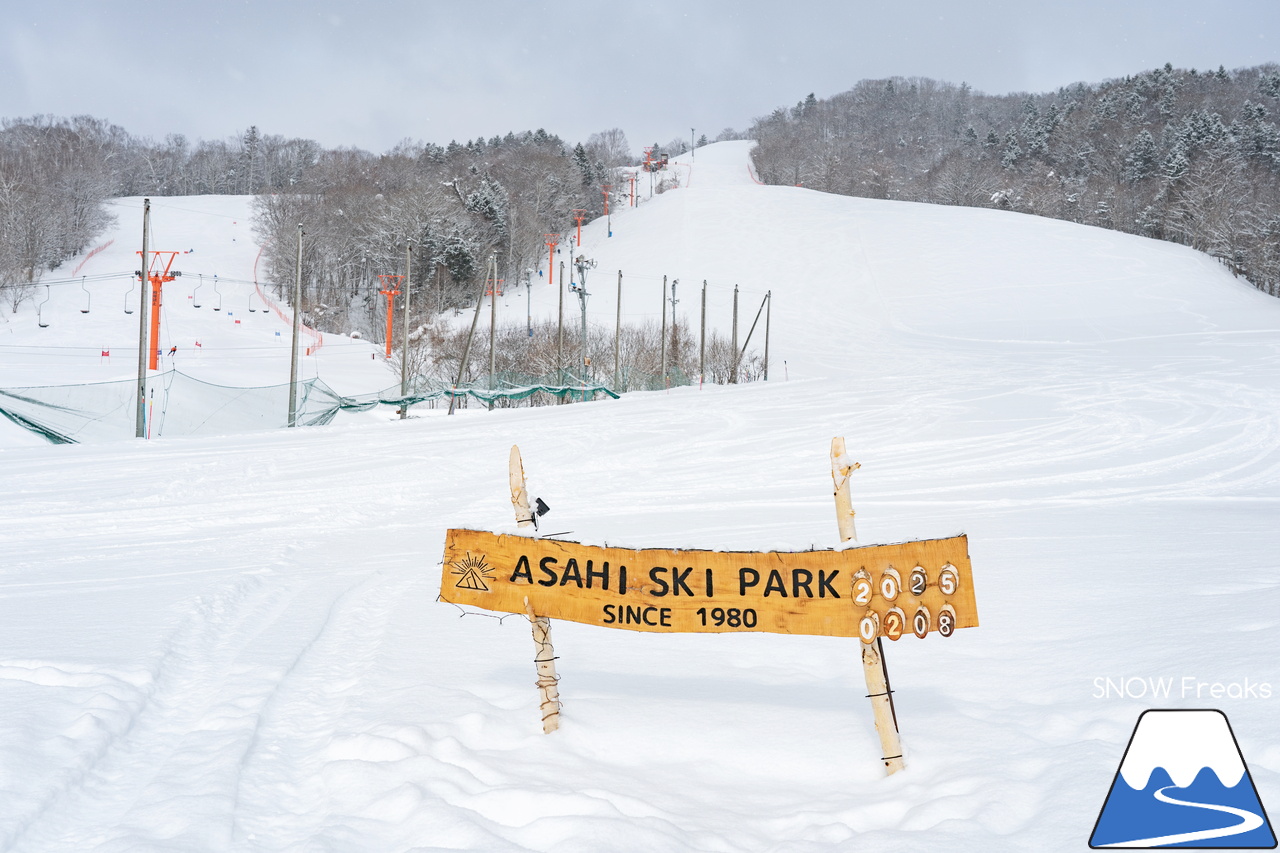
pixel 234 643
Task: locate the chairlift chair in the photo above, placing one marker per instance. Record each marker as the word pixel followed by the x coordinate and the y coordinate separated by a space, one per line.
pixel 195 300
pixel 88 299
pixel 217 307
pixel 127 309
pixel 39 315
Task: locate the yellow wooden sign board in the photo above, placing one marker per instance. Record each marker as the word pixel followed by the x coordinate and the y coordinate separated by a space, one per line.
pixel 879 590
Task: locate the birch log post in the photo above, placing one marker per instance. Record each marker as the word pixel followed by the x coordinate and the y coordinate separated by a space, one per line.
pixel 544 653
pixel 841 468
pixel 873 666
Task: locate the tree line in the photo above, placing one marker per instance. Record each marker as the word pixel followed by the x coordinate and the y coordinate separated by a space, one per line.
pixel 1187 156
pixel 457 203
pixel 53 181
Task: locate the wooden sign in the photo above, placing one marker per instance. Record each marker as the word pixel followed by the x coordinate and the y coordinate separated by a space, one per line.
pixel 875 591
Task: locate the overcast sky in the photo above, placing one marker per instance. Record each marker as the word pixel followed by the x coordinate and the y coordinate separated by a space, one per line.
pixel 372 73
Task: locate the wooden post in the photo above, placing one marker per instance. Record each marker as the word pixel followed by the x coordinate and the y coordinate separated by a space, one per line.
pixel 873 666
pixel 544 656
pixel 841 468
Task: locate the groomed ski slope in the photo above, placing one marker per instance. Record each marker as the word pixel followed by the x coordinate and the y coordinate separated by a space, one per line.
pixel 234 644
pixel 80 324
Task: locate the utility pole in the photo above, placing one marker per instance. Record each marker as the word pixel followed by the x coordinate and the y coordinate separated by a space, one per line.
pixel 663 335
pixel 466 348
pixel 693 146
pixel 768 311
pixel 297 323
pixel 702 339
pixel 733 367
pixel 617 334
pixel 404 344
pixel 493 326
pixel 560 333
pixel 583 265
pixel 675 323
pixel 141 420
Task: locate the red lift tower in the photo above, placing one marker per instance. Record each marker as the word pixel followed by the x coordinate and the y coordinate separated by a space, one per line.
pixel 158 278
pixel 654 162
pixel 605 188
pixel 391 301
pixel 579 214
pixel 551 240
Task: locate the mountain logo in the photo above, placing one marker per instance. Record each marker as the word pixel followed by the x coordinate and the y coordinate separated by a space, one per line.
pixel 473 573
pixel 1183 783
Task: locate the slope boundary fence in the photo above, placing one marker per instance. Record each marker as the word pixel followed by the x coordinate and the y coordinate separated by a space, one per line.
pixel 317 337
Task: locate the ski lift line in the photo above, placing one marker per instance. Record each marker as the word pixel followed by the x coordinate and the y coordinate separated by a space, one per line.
pixel 727 288
pixel 316 335
pixel 361 345
pixel 131 276
pixel 92 279
pixel 156 202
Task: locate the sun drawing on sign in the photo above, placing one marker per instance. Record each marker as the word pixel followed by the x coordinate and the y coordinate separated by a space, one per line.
pixel 473 572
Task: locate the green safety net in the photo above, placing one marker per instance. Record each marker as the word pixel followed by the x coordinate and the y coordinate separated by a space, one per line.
pixel 181 405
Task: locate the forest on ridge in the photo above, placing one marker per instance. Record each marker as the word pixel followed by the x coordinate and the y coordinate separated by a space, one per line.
pixel 1181 155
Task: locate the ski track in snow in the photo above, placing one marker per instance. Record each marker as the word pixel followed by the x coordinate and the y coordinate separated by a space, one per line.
pixel 233 643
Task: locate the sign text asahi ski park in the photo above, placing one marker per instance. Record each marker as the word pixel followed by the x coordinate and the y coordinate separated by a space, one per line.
pixel 868 592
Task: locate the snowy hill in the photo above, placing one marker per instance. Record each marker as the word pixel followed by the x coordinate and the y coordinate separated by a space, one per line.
pixel 234 643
